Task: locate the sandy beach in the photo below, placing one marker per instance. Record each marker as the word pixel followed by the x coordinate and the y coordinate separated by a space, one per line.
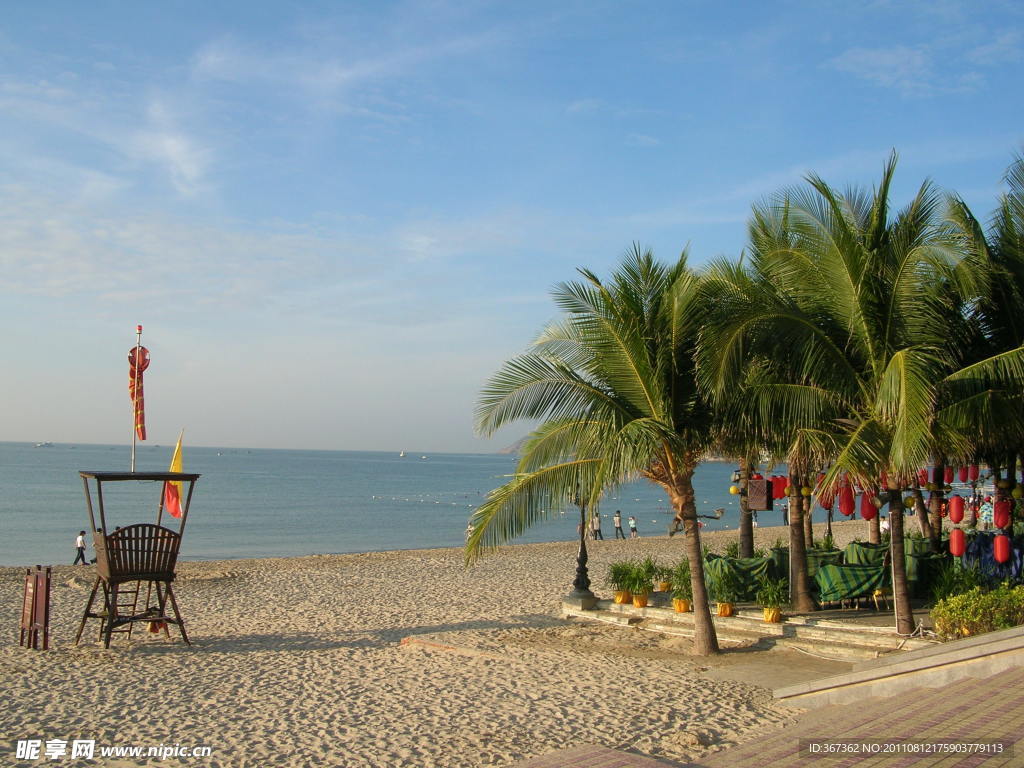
pixel 308 661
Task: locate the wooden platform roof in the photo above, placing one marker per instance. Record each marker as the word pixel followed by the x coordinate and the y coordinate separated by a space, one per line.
pixel 161 476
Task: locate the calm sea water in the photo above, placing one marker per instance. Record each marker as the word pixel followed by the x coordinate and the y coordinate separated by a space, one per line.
pixel 268 503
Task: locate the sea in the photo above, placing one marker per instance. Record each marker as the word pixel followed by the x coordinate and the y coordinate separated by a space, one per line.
pixel 284 503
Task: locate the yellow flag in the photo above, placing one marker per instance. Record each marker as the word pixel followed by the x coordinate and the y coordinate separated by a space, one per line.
pixel 172 490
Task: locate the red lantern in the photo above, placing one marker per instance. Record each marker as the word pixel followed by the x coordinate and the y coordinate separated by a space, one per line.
pixel 1001 513
pixel 922 477
pixel 972 473
pixel 963 474
pixel 956 509
pixel 757 476
pixel 779 483
pixel 868 510
pixel 947 475
pixel 846 500
pixel 1001 548
pixel 956 542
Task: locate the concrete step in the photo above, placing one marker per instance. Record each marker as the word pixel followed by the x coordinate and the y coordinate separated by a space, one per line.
pixel 824 638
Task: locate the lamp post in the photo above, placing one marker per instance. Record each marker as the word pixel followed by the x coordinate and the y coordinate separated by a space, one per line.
pixel 581 596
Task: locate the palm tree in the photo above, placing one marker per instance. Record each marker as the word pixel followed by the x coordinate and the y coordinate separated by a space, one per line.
pixel 996 330
pixel 613 385
pixel 857 337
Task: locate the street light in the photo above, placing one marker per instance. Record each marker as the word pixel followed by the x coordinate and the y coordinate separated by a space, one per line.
pixel 581 596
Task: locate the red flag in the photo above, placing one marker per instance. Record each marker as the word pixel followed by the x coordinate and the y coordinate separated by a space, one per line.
pixel 135 369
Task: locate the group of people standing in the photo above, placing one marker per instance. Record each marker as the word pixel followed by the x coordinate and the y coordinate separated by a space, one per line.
pixel 595 526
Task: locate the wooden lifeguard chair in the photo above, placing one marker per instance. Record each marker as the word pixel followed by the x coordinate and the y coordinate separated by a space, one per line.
pixel 135 555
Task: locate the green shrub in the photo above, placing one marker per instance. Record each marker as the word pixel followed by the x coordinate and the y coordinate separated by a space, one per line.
pixel 649 567
pixel 828 542
pixel 772 593
pixel 725 587
pixel 682 588
pixel 732 549
pixel 977 611
pixel 954 579
pixel 761 552
pixel 639 579
pixel 618 574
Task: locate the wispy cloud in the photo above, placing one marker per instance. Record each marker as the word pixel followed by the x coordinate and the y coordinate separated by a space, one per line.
pixel 165 144
pixel 642 140
pixel 1006 48
pixel 906 68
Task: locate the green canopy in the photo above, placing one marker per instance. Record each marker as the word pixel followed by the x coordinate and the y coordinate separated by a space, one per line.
pixel 845 582
pixel 748 571
pixel 862 553
pixel 816 558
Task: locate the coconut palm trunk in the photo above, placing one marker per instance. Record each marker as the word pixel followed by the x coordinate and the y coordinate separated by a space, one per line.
pixel 746 517
pixel 798 578
pixel 897 551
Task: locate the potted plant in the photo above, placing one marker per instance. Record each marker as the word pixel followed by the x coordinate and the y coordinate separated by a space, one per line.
pixel 618 575
pixel 638 582
pixel 682 589
pixel 663 578
pixel 771 596
pixel 725 590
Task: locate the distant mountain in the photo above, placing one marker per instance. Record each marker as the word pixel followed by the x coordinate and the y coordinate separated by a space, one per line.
pixel 515 448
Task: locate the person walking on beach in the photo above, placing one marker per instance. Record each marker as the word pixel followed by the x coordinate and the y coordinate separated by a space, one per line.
pixel 617 519
pixel 595 527
pixel 80 544
pixel 632 528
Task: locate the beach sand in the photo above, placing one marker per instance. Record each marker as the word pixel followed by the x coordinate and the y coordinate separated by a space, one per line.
pixel 307 661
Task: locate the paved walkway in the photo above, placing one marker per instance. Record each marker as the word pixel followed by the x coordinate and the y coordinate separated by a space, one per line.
pixel 912 727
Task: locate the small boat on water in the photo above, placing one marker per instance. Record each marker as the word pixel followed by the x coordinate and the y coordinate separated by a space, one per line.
pixel 401 455
pixel 44 445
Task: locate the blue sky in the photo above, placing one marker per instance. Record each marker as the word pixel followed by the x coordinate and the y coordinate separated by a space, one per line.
pixel 335 220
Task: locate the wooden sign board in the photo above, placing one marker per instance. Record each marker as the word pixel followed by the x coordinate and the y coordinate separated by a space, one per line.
pixel 759 495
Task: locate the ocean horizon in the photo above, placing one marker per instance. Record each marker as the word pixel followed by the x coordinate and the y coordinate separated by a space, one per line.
pixel 259 502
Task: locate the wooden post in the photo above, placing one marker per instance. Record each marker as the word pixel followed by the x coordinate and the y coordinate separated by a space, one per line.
pixel 35 609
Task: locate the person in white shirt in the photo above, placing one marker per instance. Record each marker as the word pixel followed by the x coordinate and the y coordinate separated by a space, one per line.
pixel 80 543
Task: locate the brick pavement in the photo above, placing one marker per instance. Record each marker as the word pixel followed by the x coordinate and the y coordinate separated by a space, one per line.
pixel 982 710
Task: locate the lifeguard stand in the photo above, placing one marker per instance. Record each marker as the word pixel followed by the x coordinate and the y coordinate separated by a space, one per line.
pixel 134 555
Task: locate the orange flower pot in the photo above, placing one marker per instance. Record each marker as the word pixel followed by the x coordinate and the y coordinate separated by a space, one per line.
pixel 640 601
pixel 725 609
pixel 622 596
pixel 681 605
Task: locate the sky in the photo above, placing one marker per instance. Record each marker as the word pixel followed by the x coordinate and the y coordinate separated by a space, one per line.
pixel 336 220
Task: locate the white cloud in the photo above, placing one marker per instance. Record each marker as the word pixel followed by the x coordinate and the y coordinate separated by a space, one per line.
pixel 642 140
pixel 1006 48
pixel 584 106
pixel 908 69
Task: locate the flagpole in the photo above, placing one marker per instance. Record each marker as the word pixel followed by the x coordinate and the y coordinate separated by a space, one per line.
pixel 138 372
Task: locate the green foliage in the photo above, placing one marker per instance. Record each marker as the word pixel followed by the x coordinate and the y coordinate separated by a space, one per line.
pixel 638 579
pixel 761 552
pixel 954 579
pixel 663 573
pixel 732 549
pixel 779 544
pixel 828 542
pixel 978 611
pixel 649 567
pixel 618 574
pixel 725 587
pixel 682 588
pixel 772 593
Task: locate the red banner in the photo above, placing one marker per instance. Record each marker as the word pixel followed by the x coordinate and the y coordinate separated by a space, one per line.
pixel 135 369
